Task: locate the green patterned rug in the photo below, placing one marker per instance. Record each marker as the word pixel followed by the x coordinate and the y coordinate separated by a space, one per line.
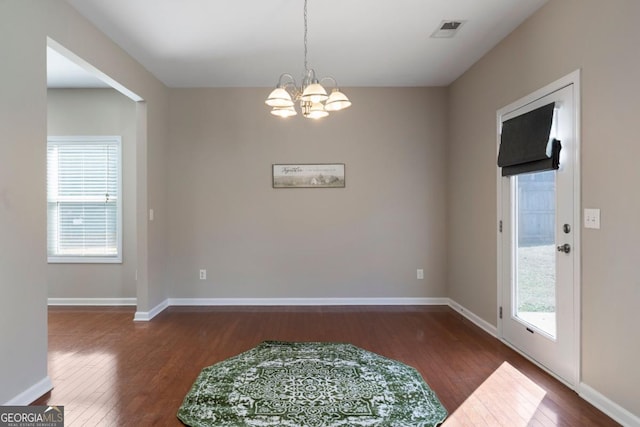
pixel 288 384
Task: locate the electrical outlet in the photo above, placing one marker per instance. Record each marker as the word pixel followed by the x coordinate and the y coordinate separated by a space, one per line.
pixel 203 274
pixel 420 274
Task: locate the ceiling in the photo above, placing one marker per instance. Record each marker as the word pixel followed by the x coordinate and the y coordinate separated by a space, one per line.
pixel 249 43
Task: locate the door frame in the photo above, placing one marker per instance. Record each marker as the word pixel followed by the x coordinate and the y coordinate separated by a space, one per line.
pixel 570 79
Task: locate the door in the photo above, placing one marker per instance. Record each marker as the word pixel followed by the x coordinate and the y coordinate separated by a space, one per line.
pixel 539 238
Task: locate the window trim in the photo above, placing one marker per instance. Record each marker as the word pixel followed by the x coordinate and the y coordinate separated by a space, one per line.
pixel 92 259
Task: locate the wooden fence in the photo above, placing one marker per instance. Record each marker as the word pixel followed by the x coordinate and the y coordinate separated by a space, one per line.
pixel 536 209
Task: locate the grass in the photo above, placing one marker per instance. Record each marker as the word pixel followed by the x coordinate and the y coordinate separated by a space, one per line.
pixel 536 279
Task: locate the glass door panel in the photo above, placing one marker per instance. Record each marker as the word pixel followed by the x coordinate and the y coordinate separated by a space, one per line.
pixel 535 237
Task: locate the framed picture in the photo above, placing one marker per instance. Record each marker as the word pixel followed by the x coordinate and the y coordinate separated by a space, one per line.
pixel 322 175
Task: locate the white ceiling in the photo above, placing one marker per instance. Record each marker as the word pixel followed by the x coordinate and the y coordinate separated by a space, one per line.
pixel 249 43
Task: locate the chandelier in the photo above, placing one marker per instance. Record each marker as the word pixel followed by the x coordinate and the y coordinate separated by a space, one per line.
pixel 312 96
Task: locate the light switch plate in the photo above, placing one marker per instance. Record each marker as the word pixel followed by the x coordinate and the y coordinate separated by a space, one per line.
pixel 592 218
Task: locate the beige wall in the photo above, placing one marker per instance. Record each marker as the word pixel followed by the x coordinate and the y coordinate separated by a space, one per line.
pixel 24 27
pixel 366 240
pixel 600 38
pixel 23 316
pixel 95 112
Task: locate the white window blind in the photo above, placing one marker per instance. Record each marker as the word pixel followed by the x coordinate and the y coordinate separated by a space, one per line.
pixel 84 212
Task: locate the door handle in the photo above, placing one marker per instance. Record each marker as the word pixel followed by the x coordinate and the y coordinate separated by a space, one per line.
pixel 566 248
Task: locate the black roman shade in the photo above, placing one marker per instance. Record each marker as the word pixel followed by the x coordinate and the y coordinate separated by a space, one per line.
pixel 525 145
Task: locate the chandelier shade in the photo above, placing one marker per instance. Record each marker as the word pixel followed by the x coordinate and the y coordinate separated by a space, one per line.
pixel 311 95
pixel 284 112
pixel 337 101
pixel 314 93
pixel 315 111
pixel 279 98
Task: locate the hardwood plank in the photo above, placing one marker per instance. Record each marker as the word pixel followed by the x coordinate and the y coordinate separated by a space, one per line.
pixel 108 370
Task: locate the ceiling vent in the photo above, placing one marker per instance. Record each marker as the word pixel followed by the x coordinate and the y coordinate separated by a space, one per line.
pixel 447 29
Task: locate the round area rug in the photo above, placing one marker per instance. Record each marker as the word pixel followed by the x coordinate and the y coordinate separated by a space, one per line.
pixel 289 384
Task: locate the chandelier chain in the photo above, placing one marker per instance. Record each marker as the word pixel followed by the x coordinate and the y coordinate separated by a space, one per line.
pixel 306 67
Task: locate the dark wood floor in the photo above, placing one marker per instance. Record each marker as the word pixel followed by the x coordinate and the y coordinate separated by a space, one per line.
pixel 109 370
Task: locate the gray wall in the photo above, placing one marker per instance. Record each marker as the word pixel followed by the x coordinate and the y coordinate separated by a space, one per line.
pixel 365 240
pixel 24 27
pixel 601 38
pixel 95 112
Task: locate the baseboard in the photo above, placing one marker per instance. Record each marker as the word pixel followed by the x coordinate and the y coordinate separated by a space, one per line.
pixel 612 409
pixel 32 393
pixel 304 301
pixel 93 301
pixel 145 316
pixel 475 319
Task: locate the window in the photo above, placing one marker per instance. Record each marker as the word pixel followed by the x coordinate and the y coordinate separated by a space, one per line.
pixel 84 203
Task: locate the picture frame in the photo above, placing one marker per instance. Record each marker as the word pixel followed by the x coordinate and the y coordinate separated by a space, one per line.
pixel 308 175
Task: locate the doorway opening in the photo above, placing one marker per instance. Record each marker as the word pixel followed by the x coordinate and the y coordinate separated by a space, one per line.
pixel 86 104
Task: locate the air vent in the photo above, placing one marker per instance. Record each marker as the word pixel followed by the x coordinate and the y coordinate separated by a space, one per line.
pixel 447 29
